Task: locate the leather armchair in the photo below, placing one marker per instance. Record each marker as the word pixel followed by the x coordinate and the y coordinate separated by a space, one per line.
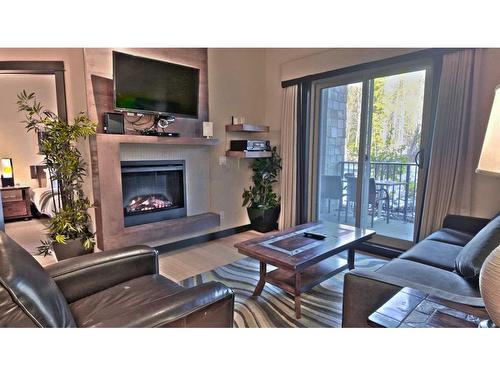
pixel 119 288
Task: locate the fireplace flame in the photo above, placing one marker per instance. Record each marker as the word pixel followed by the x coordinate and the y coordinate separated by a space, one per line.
pixel 148 203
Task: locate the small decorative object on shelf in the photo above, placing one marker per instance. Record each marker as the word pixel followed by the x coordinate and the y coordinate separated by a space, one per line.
pixel 263 204
pixel 208 129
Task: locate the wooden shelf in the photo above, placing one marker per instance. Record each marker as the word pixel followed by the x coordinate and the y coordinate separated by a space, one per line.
pixel 311 276
pixel 250 128
pixel 248 154
pixel 133 138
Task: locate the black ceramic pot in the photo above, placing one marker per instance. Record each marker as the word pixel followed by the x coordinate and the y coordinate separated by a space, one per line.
pixel 70 249
pixel 264 220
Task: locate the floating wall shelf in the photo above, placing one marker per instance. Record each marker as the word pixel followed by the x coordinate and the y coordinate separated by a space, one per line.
pixel 247 128
pixel 248 154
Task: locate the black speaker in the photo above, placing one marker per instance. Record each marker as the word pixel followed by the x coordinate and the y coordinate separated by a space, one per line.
pixel 113 123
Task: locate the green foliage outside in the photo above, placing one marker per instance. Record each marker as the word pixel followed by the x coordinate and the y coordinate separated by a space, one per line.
pixel 66 166
pixel 396 118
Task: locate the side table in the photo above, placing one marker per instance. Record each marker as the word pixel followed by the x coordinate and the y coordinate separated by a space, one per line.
pixel 411 308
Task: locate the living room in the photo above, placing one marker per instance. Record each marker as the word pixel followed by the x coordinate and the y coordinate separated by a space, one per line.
pixel 246 185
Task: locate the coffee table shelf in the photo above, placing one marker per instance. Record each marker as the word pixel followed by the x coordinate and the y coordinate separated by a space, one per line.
pixel 310 277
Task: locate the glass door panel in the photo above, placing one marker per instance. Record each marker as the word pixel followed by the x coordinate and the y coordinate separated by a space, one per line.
pixel 393 147
pixel 338 142
pixel 370 131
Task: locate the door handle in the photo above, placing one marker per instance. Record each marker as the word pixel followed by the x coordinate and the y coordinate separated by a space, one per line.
pixel 417 159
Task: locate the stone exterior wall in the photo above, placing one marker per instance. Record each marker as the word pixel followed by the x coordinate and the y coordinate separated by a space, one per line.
pixel 333 134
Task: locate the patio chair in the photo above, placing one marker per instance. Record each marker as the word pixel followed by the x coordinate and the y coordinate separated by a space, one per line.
pixel 374 196
pixel 332 189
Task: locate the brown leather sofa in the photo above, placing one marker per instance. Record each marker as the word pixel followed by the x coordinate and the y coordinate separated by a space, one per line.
pixel 446 264
pixel 119 288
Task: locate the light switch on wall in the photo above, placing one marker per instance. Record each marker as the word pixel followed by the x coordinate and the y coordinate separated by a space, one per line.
pixel 222 160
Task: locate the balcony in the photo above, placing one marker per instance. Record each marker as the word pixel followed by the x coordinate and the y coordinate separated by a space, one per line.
pixel 391 197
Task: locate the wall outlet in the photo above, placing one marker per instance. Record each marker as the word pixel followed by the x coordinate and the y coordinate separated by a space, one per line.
pixel 222 160
pixel 221 214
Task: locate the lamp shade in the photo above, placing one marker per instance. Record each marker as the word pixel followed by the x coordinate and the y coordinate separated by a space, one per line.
pixel 489 162
pixel 6 168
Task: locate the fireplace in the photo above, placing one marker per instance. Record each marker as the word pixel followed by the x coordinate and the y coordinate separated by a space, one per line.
pixel 153 191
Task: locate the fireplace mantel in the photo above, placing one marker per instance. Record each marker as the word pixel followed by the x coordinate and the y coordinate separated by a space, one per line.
pixel 146 139
pixel 111 232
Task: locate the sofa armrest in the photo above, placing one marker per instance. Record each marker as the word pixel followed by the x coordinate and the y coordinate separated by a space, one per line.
pixel 82 276
pixel 362 296
pixel 466 224
pixel 209 305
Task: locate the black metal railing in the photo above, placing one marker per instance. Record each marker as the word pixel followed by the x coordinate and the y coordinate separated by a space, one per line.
pixel 400 181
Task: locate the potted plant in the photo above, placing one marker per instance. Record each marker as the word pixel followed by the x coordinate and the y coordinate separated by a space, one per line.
pixel 263 204
pixel 69 233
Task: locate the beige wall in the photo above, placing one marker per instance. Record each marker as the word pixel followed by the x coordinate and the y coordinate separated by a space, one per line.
pixel 15 142
pixel 236 84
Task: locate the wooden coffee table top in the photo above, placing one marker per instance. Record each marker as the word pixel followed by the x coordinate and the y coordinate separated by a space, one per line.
pixel 289 249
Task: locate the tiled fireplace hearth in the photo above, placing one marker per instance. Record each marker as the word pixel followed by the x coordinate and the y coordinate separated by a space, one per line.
pixel 149 189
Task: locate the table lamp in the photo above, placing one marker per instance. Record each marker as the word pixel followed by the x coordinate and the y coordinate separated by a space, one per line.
pixel 7 172
pixel 489 164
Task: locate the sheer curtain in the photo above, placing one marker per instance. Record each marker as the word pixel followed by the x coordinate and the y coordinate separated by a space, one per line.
pixel 449 179
pixel 289 156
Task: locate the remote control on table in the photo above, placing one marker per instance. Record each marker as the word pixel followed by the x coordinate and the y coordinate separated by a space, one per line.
pixel 316 236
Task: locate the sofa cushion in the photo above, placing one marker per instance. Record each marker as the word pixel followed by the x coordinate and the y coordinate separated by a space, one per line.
pixel 418 275
pixel 470 260
pixel 451 236
pixel 434 253
pixel 28 293
pixel 126 304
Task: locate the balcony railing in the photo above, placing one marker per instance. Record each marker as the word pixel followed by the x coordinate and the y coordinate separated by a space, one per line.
pixel 403 191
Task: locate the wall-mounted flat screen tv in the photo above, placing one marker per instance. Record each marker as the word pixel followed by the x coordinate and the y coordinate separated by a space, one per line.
pixel 151 86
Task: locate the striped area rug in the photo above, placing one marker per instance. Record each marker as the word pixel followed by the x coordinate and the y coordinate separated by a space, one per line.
pixel 321 306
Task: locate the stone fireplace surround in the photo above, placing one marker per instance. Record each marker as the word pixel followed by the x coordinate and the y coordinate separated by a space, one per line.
pixel 108 151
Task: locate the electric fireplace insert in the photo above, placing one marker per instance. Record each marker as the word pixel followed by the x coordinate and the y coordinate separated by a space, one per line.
pixel 153 191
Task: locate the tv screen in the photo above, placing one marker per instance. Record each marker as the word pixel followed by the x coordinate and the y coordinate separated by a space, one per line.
pixel 153 86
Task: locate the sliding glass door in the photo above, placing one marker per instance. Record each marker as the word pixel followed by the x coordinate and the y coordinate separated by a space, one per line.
pixel 370 129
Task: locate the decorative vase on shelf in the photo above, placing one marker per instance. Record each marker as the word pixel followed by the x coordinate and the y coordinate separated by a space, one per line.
pixel 489 284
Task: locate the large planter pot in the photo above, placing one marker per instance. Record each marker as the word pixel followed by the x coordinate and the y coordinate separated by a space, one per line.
pixel 264 220
pixel 70 249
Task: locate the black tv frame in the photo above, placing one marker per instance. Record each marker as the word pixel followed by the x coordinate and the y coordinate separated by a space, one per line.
pixel 157 113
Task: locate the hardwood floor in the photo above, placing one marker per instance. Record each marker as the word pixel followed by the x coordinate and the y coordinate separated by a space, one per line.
pixel 180 264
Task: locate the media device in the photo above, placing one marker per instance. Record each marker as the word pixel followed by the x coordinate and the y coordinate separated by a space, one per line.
pixel 113 123
pixel 7 172
pixel 161 88
pixel 208 129
pixel 250 145
pixel 156 133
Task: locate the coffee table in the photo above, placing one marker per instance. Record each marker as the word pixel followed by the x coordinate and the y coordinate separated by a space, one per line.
pixel 302 262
